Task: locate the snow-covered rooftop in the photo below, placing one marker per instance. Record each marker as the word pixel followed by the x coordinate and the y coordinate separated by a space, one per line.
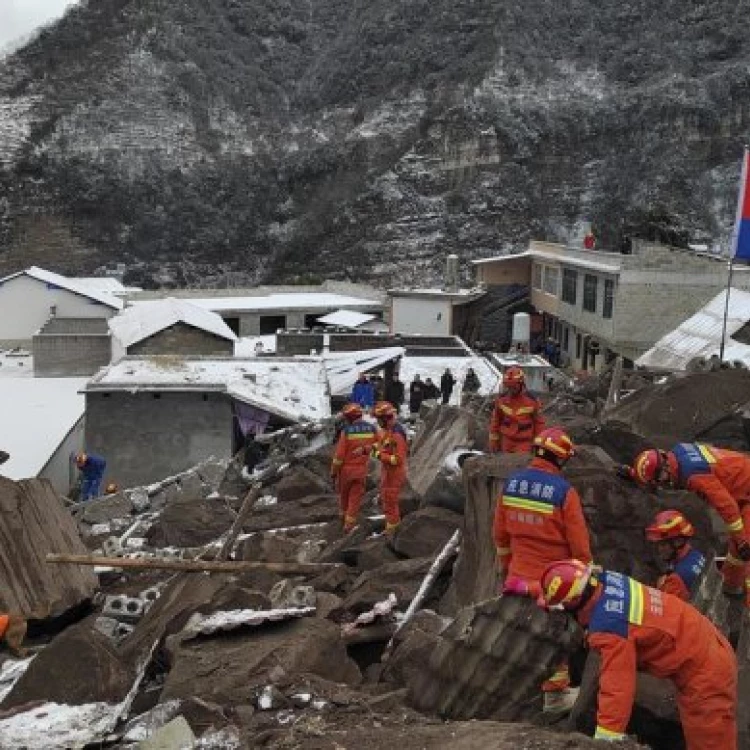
pixel 293 389
pixel 596 261
pixel 147 318
pixel 458 296
pixel 105 284
pixel 434 367
pixel 346 319
pixel 82 287
pixel 322 301
pixel 343 368
pixel 700 335
pixel 37 415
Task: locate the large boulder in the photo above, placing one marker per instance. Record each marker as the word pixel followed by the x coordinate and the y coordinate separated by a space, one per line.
pixel 425 532
pixel 401 578
pixel 80 666
pixel 187 522
pixel 231 669
pixel 34 522
pixel 298 482
pixel 412 648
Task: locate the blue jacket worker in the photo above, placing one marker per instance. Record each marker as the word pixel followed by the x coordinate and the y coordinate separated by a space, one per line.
pixel 92 473
pixel 363 393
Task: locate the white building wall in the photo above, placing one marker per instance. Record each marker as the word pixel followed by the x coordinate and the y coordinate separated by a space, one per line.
pixel 429 317
pixel 59 469
pixel 25 307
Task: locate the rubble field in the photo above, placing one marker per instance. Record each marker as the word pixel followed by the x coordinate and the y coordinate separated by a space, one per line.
pixel 310 639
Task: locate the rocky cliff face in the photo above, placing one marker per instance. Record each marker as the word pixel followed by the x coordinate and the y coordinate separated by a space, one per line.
pixel 239 140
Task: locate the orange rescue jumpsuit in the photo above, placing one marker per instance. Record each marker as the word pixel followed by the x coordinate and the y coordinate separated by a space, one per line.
pixel 722 479
pixel 349 467
pixel 4 622
pixel 538 520
pixel 634 627
pixel 516 421
pixel 681 580
pixel 392 451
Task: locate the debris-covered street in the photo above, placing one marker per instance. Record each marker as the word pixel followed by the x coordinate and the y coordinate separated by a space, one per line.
pixel 309 641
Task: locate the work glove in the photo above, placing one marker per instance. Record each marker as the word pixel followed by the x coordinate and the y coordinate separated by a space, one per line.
pixel 743 549
pixel 623 471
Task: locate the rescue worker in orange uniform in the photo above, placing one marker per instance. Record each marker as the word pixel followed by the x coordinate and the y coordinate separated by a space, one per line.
pixel 671 531
pixel 517 417
pixel 634 627
pixel 392 450
pixel 722 479
pixel 350 461
pixel 539 519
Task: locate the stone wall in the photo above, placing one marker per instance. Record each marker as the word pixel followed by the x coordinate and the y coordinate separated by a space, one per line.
pixel 146 437
pixel 69 355
pixel 183 340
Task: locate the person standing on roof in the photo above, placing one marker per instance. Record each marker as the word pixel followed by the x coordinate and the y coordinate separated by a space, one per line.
pixel 722 479
pixel 517 417
pixel 447 382
pixel 92 469
pixel 350 462
pixel 363 393
pixel 392 451
pixel 539 519
pixel 634 627
pixel 670 532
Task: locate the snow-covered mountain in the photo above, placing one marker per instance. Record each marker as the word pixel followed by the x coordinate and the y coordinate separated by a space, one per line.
pixel 242 140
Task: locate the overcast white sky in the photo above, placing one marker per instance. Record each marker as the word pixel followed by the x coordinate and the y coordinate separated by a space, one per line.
pixel 20 17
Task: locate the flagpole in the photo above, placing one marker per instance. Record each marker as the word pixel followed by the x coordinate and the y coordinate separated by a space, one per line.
pixel 726 309
pixel 735 247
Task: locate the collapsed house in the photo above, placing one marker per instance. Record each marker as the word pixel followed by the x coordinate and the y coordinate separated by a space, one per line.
pixel 313 636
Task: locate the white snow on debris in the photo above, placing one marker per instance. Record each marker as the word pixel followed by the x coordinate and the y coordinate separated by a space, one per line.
pixel 53 726
pixel 344 368
pixel 700 335
pixel 72 285
pixel 293 389
pixel 236 618
pixel 287 301
pixel 16 363
pixel 346 319
pixel 37 415
pixel 148 318
pixel 105 284
pixel 434 367
pixel 11 671
pixel 251 346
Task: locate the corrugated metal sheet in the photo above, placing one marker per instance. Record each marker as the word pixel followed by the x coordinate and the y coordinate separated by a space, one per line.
pixel 700 335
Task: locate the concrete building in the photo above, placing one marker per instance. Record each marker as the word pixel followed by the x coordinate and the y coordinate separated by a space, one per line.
pixel 42 423
pixel 28 299
pixel 599 304
pixel 71 347
pixel 170 326
pixel 157 416
pixel 432 312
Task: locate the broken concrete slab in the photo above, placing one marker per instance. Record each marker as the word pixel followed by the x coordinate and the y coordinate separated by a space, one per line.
pixel 34 522
pixel 104 509
pixel 313 508
pixel 412 648
pixel 425 532
pixel 175 735
pixel 233 670
pixel 80 666
pixel 298 482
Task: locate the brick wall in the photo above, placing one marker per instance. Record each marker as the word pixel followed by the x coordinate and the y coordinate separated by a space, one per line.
pixel 70 355
pixel 145 439
pixel 183 339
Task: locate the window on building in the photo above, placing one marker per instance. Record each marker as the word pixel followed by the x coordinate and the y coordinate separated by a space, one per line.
pixel 537 281
pixel 578 346
pixel 566 338
pixel 609 297
pixel 589 292
pixel 569 284
pixel 551 280
pixel 269 324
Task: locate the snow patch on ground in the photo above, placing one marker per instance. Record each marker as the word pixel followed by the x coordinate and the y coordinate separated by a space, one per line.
pixel 236 618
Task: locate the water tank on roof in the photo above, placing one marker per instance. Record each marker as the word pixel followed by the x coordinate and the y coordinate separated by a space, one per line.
pixel 522 329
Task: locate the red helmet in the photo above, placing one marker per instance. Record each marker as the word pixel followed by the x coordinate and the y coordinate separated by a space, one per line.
pixel 669 524
pixel 564 583
pixel 384 410
pixel 555 441
pixel 648 466
pixel 352 412
pixel 513 376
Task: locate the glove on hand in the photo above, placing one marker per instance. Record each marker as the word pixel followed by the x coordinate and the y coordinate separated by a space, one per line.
pixel 623 471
